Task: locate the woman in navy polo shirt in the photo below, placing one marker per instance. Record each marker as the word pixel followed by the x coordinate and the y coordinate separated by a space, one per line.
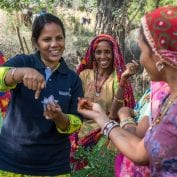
pixel 43 109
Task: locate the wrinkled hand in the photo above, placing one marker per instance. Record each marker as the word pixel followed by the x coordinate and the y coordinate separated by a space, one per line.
pixel 34 80
pixel 125 112
pixel 52 111
pixel 91 110
pixel 131 69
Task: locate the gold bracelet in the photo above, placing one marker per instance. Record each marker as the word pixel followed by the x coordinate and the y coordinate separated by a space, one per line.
pixel 128 120
pixel 121 101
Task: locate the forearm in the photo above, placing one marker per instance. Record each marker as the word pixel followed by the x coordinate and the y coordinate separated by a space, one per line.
pixel 130 145
pixel 117 103
pixel 14 76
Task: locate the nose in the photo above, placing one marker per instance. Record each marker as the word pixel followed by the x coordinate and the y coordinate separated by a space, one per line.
pixel 54 43
pixel 102 55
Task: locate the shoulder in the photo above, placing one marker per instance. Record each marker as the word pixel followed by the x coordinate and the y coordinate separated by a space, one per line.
pixel 86 73
pixel 21 60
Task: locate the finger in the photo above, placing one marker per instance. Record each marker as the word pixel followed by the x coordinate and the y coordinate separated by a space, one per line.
pixel 37 93
pixel 40 86
pixel 34 84
pixel 135 63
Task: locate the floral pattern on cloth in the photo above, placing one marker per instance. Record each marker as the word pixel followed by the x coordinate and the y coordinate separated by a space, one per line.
pixel 161 143
pixel 160 30
pixel 4 96
pixel 159 90
pixel 123 166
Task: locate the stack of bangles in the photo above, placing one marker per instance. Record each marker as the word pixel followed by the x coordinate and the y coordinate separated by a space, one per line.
pixel 120 101
pixel 128 120
pixel 107 128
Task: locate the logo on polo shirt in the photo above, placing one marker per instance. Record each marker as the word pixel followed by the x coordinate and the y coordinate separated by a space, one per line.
pixel 65 93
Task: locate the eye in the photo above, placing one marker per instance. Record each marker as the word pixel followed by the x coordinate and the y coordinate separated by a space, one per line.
pixel 60 38
pixel 108 52
pixel 97 52
pixel 46 39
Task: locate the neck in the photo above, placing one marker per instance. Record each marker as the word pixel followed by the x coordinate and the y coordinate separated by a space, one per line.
pixel 171 80
pixel 52 66
pixel 103 72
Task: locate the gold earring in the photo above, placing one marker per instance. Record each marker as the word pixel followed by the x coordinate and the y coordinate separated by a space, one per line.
pixel 159 66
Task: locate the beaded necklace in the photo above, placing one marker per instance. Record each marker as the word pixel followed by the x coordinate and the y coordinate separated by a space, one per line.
pixel 99 85
pixel 164 108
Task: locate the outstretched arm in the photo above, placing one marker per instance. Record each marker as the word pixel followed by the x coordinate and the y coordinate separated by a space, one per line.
pixel 129 144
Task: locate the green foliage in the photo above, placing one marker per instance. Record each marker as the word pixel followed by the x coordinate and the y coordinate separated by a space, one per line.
pixel 11 5
pixel 100 162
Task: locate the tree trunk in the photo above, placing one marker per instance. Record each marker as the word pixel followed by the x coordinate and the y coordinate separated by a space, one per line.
pixel 107 21
pixel 105 15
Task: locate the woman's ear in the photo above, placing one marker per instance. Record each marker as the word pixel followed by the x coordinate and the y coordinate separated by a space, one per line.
pixel 34 44
pixel 160 64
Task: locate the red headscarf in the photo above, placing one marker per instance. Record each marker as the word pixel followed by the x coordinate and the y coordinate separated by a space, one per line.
pixel 160 30
pixel 88 62
pixel 4 96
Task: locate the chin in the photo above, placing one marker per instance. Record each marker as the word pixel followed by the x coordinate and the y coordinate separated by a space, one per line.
pixel 55 58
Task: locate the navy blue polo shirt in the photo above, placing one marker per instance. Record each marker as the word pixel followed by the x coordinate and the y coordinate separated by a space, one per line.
pixel 30 144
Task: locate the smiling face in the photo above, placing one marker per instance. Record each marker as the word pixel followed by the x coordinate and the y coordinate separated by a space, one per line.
pixel 104 55
pixel 51 44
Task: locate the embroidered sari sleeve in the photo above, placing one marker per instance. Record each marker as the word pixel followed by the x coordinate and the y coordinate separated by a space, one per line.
pixel 3 71
pixel 75 124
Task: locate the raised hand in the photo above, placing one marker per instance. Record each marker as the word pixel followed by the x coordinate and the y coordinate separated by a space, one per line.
pixel 34 80
pixel 131 69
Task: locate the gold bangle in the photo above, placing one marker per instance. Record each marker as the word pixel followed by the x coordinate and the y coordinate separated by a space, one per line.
pixel 128 120
pixel 121 101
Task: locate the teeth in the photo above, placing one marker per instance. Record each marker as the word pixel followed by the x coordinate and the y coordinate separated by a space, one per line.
pixel 55 52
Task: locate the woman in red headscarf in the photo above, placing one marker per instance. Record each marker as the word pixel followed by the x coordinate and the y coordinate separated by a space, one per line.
pixel 100 72
pixel 158 44
pixel 4 96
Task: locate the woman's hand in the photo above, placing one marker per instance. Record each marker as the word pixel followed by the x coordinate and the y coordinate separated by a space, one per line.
pixel 30 77
pixel 54 112
pixel 92 111
pixel 34 80
pixel 125 112
pixel 131 69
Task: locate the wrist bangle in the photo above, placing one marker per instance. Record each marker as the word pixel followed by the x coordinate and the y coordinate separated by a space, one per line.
pixel 121 101
pixel 108 127
pixel 12 74
pixel 128 120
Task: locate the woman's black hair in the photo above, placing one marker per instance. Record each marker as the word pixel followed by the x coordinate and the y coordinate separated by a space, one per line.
pixel 41 21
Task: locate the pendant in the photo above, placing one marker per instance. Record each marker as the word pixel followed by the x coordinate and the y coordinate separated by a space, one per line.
pixel 97 94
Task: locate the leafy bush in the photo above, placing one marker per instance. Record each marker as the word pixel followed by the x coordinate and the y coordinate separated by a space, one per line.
pixel 100 162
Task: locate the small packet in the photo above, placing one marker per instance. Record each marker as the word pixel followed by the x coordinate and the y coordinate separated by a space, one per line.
pixel 50 99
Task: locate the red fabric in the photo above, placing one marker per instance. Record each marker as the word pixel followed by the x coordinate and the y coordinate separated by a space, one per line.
pixel 160 30
pixel 88 62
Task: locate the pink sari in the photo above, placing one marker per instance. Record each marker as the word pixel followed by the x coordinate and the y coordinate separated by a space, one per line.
pixel 125 167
